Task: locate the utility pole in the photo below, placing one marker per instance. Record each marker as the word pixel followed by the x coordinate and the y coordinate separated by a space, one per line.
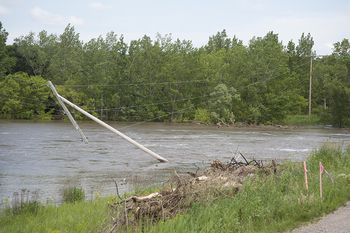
pixel 310 85
pixel 70 117
pixel 161 159
pixel 62 102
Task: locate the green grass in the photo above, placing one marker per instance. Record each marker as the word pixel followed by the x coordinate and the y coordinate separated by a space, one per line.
pixel 68 217
pixel 302 120
pixel 73 194
pixel 273 203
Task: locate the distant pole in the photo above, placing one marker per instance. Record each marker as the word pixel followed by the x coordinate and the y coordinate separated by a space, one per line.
pixel 148 151
pixel 65 109
pixel 310 86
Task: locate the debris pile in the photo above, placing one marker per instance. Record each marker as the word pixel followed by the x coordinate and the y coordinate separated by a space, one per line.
pixel 219 180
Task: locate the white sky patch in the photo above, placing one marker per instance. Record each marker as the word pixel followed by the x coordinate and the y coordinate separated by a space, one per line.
pixel 50 18
pixel 327 21
pixel 98 6
pixel 3 10
pixel 329 45
pixel 322 29
pixel 76 20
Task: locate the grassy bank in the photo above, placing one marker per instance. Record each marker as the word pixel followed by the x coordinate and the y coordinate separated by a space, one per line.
pixel 265 203
pixel 272 203
pixel 302 120
pixel 70 217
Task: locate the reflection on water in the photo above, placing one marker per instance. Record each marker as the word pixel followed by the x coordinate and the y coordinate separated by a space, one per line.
pixel 47 156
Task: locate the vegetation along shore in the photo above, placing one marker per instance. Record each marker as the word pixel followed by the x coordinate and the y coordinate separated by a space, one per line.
pixel 235 196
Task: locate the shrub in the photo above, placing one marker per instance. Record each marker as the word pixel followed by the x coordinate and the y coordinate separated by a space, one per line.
pixel 202 115
pixel 73 194
pixel 30 207
pixel 22 203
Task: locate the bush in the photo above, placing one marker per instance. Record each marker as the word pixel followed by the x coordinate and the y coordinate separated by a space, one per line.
pixel 202 115
pixel 30 207
pixel 73 194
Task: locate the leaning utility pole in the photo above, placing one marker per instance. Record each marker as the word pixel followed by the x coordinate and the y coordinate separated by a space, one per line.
pixel 65 109
pixel 63 100
pixel 310 85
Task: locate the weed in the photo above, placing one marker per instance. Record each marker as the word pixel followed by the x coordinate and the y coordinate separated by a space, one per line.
pixel 302 120
pixel 73 194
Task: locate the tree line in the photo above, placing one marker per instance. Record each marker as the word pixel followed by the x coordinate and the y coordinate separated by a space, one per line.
pixel 164 79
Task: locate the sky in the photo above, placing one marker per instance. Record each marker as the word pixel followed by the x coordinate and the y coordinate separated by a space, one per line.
pixel 327 21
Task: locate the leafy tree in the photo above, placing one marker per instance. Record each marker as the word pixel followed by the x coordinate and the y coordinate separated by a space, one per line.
pixel 169 79
pixel 342 50
pixel 6 62
pixel 23 97
pixel 339 103
pixel 34 55
pixel 220 104
pixel 218 41
pixel 66 62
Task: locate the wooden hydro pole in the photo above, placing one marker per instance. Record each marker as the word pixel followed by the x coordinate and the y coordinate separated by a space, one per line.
pixel 65 109
pixel 310 86
pixel 62 100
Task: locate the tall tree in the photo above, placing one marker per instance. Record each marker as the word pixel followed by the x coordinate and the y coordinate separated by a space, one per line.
pixel 218 41
pixel 6 62
pixel 34 54
pixel 66 62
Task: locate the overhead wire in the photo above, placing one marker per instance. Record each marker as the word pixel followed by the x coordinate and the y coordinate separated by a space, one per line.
pixel 134 84
pixel 155 118
pixel 155 83
pixel 146 105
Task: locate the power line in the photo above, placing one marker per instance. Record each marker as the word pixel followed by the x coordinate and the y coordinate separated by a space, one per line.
pixel 134 84
pixel 145 105
pixel 158 117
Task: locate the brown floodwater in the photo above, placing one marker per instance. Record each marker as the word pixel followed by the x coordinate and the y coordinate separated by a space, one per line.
pixel 46 157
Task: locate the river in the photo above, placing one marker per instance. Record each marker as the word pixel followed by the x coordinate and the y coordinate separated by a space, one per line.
pixel 46 157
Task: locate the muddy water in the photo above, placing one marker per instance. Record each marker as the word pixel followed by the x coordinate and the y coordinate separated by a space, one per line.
pixel 48 156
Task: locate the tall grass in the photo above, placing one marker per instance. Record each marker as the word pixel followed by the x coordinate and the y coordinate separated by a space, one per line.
pixel 73 194
pixel 271 203
pixel 302 120
pixel 68 217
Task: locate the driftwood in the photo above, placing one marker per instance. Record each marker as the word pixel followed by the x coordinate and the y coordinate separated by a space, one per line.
pixel 143 198
pixel 221 179
pixel 202 178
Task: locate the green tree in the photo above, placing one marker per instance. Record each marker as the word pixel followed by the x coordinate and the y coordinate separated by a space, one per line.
pixel 339 103
pixel 218 41
pixel 220 104
pixel 6 62
pixel 34 55
pixel 23 97
pixel 66 62
pixel 267 79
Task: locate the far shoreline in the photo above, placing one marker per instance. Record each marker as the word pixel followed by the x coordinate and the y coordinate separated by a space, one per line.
pixel 237 125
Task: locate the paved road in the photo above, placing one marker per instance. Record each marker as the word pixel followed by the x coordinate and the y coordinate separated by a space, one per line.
pixel 336 222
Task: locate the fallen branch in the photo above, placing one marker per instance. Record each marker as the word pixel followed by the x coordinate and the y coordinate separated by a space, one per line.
pixel 143 198
pixel 246 161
